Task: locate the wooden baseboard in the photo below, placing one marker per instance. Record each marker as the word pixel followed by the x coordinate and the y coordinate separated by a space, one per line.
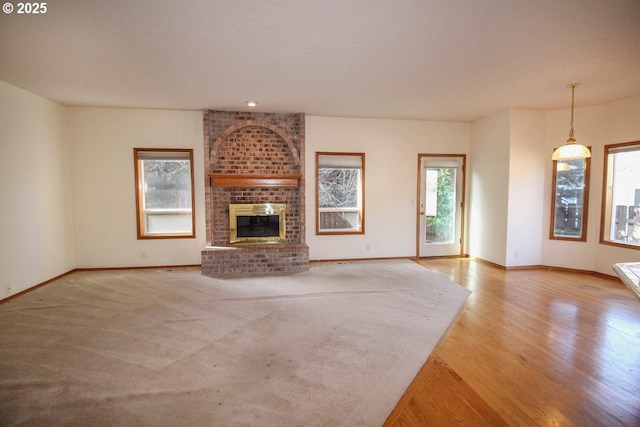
pixel 549 267
pixel 46 282
pixel 524 267
pixel 34 287
pixel 160 267
pixel 444 257
pixel 358 259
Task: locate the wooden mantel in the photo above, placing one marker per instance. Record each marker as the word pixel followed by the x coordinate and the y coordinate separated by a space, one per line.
pixel 253 181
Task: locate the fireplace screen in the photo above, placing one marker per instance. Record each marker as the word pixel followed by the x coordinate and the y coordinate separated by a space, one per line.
pixel 257 223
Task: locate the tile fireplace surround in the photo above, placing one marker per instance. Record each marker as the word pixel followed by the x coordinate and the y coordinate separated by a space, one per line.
pixel 253 158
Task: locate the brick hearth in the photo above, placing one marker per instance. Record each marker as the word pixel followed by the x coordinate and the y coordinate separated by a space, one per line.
pixel 260 145
pixel 237 260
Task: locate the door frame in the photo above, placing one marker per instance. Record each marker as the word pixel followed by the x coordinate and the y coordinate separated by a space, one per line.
pixel 463 157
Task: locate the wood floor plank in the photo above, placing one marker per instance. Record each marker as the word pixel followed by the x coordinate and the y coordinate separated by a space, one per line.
pixel 530 347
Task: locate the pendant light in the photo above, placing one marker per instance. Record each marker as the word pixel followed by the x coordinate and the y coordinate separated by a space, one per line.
pixel 571 150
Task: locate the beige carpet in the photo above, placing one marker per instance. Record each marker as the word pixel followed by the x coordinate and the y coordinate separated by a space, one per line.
pixel 336 346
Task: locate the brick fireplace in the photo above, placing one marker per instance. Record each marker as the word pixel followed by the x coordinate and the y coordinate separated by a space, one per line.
pixel 253 158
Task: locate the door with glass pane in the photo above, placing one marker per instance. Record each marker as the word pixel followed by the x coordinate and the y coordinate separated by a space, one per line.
pixel 441 205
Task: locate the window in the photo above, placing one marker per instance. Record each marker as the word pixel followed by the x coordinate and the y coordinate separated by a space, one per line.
pixel 621 195
pixel 339 193
pixel 570 199
pixel 164 193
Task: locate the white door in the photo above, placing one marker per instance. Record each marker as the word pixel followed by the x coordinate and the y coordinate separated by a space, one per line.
pixel 441 205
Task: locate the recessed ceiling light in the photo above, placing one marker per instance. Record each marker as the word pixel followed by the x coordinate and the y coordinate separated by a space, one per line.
pixel 252 103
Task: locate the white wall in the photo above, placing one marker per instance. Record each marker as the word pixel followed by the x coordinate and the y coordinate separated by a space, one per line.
pixel 102 142
pixel 588 124
pixel 67 185
pixel 527 158
pixel 621 124
pixel 509 183
pixel 391 148
pixel 36 224
pixel 489 186
pixel 595 126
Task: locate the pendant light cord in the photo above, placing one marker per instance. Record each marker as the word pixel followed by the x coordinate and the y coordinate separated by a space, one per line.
pixel 573 89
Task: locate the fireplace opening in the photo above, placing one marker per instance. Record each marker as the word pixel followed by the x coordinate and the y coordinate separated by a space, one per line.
pixel 257 223
pixel 258 226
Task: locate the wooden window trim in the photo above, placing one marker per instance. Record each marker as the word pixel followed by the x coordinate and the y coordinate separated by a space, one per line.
pixel 362 210
pixel 585 203
pixel 140 218
pixel 605 211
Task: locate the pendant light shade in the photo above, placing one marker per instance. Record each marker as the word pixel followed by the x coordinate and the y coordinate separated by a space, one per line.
pixel 571 150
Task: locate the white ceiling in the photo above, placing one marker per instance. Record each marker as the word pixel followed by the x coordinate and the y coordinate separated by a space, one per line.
pixel 454 60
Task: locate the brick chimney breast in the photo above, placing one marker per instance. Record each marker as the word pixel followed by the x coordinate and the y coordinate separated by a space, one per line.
pixel 253 144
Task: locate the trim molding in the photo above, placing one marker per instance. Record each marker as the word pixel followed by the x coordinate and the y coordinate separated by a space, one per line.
pixel 409 257
pixel 144 267
pixel 549 267
pixel 46 282
pixel 34 287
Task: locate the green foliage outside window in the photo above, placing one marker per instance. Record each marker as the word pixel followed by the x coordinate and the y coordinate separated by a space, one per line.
pixel 440 227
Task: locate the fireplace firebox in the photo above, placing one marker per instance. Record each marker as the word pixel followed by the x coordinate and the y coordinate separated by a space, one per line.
pixel 257 223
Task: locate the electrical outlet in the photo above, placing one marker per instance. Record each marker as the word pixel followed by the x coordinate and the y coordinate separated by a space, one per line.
pixel 8 289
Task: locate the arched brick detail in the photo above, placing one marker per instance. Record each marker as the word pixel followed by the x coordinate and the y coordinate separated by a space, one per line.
pixel 256 123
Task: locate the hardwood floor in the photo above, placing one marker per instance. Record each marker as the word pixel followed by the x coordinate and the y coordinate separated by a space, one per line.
pixel 530 348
